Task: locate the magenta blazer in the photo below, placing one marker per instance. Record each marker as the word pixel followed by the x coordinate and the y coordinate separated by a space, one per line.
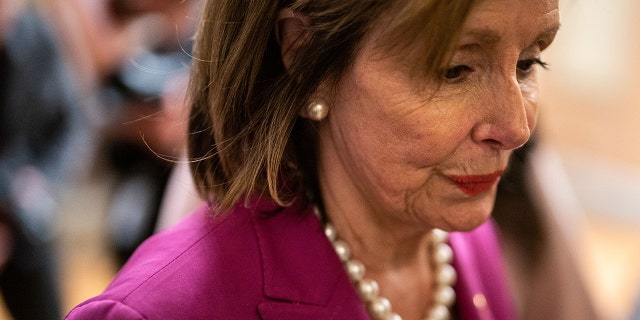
pixel 253 264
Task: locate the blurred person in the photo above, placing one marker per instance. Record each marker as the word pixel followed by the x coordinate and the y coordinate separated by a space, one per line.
pixel 141 145
pixel 126 51
pixel 100 36
pixel 335 143
pixel 40 136
pixel 147 135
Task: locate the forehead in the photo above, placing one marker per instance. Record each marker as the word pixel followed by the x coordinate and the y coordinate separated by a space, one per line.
pixel 490 21
pixel 517 8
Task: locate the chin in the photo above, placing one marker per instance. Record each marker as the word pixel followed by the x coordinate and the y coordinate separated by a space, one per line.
pixel 469 215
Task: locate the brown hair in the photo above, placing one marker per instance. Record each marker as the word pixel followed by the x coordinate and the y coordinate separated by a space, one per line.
pixel 245 133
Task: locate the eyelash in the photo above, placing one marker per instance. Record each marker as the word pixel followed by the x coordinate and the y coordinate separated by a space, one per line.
pixel 525 66
pixel 455 74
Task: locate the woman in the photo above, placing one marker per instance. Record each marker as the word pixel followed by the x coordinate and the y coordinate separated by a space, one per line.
pixel 391 120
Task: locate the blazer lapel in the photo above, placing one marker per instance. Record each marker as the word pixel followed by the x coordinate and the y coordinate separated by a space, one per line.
pixel 303 277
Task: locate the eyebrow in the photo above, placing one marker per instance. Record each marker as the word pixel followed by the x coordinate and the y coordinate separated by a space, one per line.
pixel 489 37
pixel 548 34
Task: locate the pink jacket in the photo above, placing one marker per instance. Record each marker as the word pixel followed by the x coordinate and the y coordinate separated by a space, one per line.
pixel 256 264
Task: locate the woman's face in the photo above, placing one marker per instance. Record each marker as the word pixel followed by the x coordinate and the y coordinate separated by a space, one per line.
pixel 392 147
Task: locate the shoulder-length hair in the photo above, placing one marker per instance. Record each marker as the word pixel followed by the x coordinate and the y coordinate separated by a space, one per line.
pixel 245 133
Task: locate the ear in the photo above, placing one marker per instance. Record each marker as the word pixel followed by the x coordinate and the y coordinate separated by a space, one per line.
pixel 291 30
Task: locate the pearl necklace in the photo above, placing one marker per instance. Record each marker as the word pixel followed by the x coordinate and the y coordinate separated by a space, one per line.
pixel 379 307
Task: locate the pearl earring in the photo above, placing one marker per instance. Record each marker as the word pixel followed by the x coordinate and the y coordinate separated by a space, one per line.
pixel 317 110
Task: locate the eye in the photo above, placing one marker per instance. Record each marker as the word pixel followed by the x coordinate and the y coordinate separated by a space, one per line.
pixel 525 67
pixel 457 73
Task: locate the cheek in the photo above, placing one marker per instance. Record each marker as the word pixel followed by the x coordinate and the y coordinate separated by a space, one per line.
pixel 431 141
pixel 404 127
pixel 443 126
pixel 433 133
pixel 400 147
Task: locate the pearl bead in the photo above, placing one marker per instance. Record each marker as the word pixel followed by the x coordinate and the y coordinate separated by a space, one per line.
pixel 342 249
pixel 355 269
pixel 446 275
pixel 368 289
pixel 316 211
pixel 443 254
pixel 330 232
pixel 445 295
pixel 393 316
pixel 439 312
pixel 317 110
pixel 439 236
pixel 380 308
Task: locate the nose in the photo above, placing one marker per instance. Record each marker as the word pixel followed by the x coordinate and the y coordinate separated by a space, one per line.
pixel 505 122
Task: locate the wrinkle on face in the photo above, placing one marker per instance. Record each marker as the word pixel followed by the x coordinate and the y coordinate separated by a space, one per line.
pixel 397 139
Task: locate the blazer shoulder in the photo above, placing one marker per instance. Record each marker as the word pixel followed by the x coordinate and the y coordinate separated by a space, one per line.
pixel 170 273
pixel 104 309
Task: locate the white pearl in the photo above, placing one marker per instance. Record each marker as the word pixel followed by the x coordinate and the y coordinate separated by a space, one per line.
pixel 380 308
pixel 442 254
pixel 355 269
pixel 393 316
pixel 316 211
pixel 317 110
pixel 439 236
pixel 445 295
pixel 330 232
pixel 368 289
pixel 342 249
pixel 438 312
pixel 446 275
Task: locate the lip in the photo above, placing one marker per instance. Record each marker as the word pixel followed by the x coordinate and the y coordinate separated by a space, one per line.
pixel 475 184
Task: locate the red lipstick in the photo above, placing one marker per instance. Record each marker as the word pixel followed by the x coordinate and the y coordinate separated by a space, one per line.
pixel 475 184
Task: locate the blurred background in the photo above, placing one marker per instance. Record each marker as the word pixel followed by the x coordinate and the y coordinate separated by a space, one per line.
pixel 591 117
pixel 119 69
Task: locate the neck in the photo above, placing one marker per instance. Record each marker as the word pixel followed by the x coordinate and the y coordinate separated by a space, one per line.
pixel 395 254
pixel 381 242
pixel 413 288
pixel 396 251
pixel 409 289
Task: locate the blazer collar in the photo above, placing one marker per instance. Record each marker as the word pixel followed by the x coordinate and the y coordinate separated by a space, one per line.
pixel 302 274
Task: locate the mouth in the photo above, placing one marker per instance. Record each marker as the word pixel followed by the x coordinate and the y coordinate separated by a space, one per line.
pixel 473 185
